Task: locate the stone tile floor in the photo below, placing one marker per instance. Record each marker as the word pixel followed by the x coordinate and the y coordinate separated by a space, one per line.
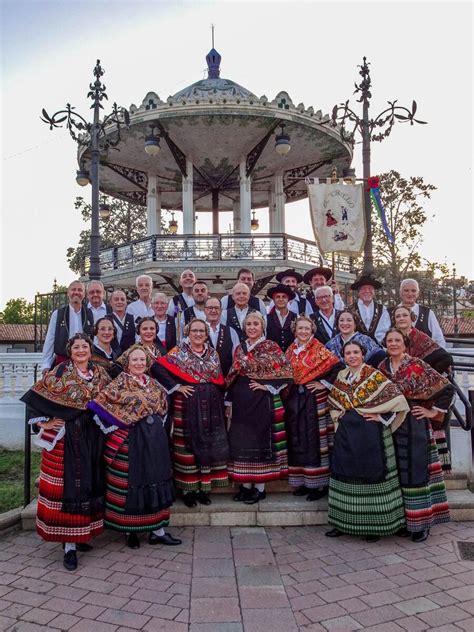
pixel 230 579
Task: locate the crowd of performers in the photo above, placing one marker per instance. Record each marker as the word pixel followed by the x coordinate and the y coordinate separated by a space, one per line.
pixel 138 403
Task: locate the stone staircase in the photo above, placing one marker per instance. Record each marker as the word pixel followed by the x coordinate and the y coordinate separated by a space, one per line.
pixel 279 509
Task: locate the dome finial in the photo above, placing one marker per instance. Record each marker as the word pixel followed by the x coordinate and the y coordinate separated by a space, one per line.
pixel 213 60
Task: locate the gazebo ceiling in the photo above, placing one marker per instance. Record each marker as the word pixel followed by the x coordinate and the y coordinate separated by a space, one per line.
pixel 216 124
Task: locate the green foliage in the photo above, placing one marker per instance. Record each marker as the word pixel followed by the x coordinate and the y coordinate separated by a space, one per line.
pixel 17 312
pixel 11 477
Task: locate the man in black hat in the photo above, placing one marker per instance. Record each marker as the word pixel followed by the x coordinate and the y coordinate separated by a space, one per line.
pixel 374 317
pixel 298 305
pixel 279 317
pixel 317 277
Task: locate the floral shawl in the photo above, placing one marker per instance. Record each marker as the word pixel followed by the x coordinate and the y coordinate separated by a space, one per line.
pixel 368 392
pixel 421 345
pixel 127 400
pixel 337 343
pixel 182 362
pixel 65 386
pixel 265 362
pixel 415 378
pixel 311 362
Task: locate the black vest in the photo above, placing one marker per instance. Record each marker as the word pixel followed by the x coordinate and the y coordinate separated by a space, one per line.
pixel 370 331
pixel 178 301
pixel 254 303
pixel 189 314
pixel 311 300
pixel 422 322
pixel 224 348
pixel 170 336
pixel 283 336
pixel 127 329
pixel 301 305
pixel 233 321
pixel 62 335
pixel 321 333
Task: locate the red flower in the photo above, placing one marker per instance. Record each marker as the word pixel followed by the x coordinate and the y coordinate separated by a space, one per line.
pixel 373 182
pixel 276 366
pixel 417 370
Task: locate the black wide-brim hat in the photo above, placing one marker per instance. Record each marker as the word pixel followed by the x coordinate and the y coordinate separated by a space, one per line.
pixel 289 273
pixel 366 279
pixel 326 272
pixel 284 289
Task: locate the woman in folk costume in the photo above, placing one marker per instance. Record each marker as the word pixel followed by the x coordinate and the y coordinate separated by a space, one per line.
pixel 364 492
pixel 309 428
pixel 257 436
pixel 429 395
pixel 70 499
pixel 191 371
pixel 139 486
pixel 425 348
pixel 347 322
pixel 146 332
pixel 106 349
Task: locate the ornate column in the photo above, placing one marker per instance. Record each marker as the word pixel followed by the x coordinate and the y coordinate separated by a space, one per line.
pixel 245 199
pixel 151 226
pixel 188 203
pixel 271 211
pixel 158 211
pixel 236 218
pixel 280 199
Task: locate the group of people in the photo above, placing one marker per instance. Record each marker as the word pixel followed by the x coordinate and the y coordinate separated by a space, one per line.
pixel 186 395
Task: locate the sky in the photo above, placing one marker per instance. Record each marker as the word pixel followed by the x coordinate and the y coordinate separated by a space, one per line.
pixel 417 50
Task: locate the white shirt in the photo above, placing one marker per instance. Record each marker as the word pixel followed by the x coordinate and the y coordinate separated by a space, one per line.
pixel 280 317
pixel 328 321
pixel 436 331
pixel 138 310
pixel 214 336
pixel 161 329
pixel 98 312
pixel 75 327
pixel 171 306
pixel 367 313
pixel 261 305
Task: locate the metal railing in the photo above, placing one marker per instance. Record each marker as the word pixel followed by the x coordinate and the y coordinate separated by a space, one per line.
pixel 230 248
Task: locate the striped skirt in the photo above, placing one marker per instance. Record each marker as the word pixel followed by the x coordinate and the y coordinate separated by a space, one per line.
pixel 369 509
pixel 248 472
pixel 443 450
pixel 116 479
pixel 189 475
pixel 52 524
pixel 428 505
pixel 312 476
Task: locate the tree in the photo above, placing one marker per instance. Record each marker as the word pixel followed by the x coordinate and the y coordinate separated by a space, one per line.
pixel 17 312
pixel 126 223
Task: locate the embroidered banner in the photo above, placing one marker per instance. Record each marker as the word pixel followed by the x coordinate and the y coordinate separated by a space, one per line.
pixel 337 215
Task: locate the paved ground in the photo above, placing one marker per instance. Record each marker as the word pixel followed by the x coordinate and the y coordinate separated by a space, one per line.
pixel 231 579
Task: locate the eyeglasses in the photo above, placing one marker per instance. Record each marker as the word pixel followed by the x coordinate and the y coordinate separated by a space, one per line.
pixel 197 331
pixel 326 297
pixel 209 307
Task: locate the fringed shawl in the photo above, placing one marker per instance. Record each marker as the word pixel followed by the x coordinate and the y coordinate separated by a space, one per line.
pixel 421 345
pixel 313 361
pixel 65 386
pixel 182 362
pixel 415 378
pixel 127 400
pixel 266 362
pixel 369 392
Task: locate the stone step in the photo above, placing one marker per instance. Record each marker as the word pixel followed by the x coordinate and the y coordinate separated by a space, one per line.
pixel 277 510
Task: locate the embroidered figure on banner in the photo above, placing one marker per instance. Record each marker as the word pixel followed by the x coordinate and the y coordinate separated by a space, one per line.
pixel 344 215
pixel 330 219
pixel 340 236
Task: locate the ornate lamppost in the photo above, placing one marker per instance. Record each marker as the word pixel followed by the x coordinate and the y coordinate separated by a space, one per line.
pixel 96 137
pixel 343 114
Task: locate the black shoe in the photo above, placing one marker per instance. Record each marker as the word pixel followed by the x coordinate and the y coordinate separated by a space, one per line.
pixel 334 533
pixel 255 496
pixel 301 491
pixel 372 538
pixel 420 536
pixel 132 541
pixel 70 561
pixel 242 494
pixel 166 539
pixel 203 498
pixel 403 533
pixel 189 499
pixel 317 494
pixel 83 547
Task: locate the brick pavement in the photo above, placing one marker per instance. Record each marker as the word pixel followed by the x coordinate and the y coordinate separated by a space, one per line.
pixel 233 579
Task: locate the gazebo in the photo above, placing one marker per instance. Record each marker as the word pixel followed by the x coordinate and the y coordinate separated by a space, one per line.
pixel 216 147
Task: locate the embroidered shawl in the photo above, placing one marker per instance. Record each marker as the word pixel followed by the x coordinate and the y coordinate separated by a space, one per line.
pixel 415 378
pixel 181 361
pixel 421 345
pixel 368 392
pixel 313 361
pixel 265 362
pixel 337 343
pixel 65 386
pixel 126 400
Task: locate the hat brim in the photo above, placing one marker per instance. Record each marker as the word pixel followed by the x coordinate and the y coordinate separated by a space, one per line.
pixel 281 289
pixel 289 273
pixel 326 272
pixel 366 280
